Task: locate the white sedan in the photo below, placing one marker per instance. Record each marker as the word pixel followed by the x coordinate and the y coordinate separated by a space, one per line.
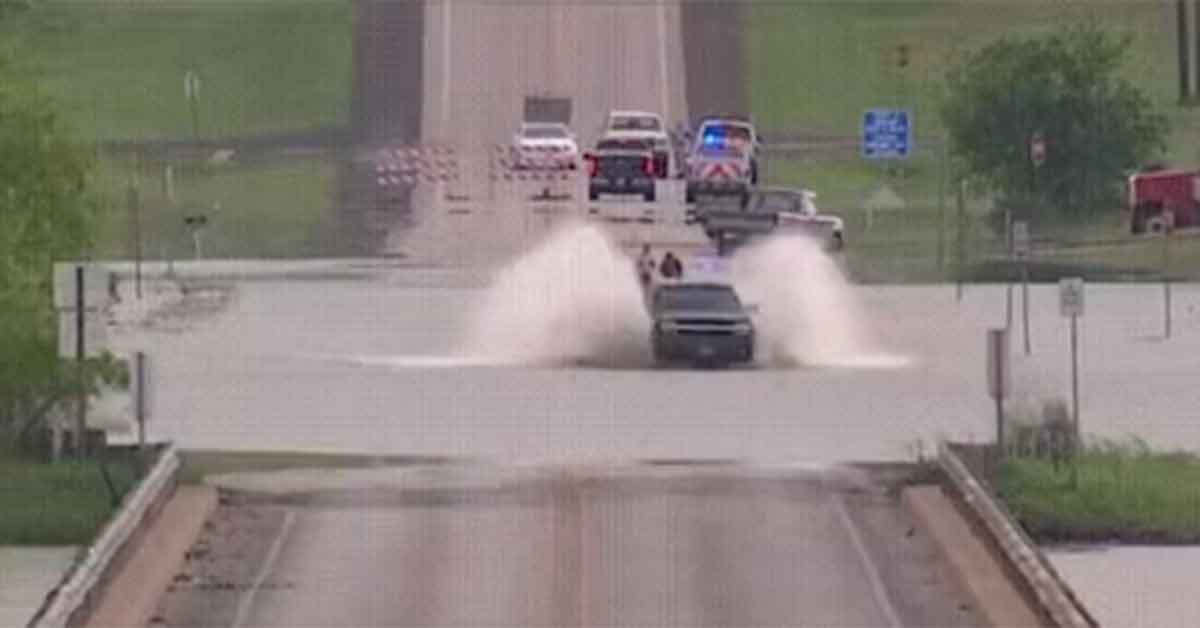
pixel 545 145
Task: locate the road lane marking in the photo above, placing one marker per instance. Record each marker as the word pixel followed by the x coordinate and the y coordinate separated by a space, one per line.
pixel 881 596
pixel 247 601
pixel 446 63
pixel 664 90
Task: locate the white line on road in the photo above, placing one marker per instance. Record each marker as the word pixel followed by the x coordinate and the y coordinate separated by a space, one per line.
pixel 446 63
pixel 247 601
pixel 881 596
pixel 663 81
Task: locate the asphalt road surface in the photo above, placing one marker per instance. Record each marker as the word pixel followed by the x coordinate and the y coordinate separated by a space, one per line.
pixel 667 546
pixel 481 60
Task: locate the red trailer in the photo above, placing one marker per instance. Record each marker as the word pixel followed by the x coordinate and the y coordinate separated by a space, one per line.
pixel 1164 199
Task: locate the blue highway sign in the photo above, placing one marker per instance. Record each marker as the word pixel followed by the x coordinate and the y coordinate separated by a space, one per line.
pixel 887 134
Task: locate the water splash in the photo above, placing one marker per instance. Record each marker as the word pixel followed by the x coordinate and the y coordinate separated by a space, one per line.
pixel 574 298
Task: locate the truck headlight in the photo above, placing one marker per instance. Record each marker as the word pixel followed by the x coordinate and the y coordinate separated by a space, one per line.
pixel 667 327
pixel 743 329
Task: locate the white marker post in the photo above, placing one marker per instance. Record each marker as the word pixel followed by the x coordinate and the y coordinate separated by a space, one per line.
pixel 1070 301
pixel 1021 247
pixel 998 377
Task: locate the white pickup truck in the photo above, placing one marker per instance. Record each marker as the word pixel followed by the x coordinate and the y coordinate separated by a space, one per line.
pixel 766 211
pixel 641 126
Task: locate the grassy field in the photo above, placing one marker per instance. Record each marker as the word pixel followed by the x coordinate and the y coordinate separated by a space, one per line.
pixel 815 66
pixel 118 68
pixel 1123 493
pixel 56 504
pixel 273 210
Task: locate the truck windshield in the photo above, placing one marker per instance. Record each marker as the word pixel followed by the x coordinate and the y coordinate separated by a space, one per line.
pixel 544 132
pixel 706 298
pixel 634 123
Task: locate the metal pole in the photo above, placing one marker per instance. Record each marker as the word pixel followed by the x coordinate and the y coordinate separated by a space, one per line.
pixel 961 253
pixel 136 218
pixel 140 373
pixel 1166 271
pixel 81 409
pixel 941 241
pixel 1008 284
pixel 1025 302
pixel 1075 378
pixel 195 118
pixel 1075 449
pixel 1000 427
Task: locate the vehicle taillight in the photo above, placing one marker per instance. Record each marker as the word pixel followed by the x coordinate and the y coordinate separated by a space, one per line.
pixel 660 165
pixel 590 160
pixel 648 165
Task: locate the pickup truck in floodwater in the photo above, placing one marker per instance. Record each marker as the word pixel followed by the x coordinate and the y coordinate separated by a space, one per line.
pixel 701 322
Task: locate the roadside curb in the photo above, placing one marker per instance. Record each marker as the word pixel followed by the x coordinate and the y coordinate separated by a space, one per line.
pixel 1052 593
pixel 984 576
pixel 70 603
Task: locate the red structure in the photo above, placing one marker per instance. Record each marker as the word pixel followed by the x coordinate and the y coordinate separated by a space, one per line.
pixel 1164 199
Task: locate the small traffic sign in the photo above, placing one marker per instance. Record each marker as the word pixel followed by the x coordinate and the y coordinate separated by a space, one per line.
pixel 1020 235
pixel 1070 297
pixel 887 134
pixel 191 85
pixel 1037 149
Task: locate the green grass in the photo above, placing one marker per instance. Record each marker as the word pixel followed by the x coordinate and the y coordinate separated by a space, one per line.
pixel 64 503
pixel 273 210
pixel 1122 493
pixel 818 65
pixel 198 464
pixel 118 68
pixel 815 66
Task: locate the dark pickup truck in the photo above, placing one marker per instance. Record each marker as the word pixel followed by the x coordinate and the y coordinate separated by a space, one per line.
pixel 700 322
pixel 622 167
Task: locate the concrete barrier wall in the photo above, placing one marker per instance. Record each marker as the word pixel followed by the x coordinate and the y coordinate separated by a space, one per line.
pixel 1053 594
pixel 73 600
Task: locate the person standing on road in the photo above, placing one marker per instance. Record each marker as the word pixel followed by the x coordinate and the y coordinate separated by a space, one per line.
pixel 671 267
pixel 645 266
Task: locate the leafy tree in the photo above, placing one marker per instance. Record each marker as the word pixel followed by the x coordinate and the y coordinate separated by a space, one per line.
pixel 1096 126
pixel 47 213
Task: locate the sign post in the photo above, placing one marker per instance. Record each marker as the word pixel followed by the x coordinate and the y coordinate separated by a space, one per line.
pixel 191 89
pixel 1008 284
pixel 1166 273
pixel 1070 299
pixel 1021 247
pixel 998 376
pixel 196 223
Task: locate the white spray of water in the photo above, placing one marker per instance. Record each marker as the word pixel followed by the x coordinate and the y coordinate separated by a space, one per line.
pixel 575 298
pixel 808 314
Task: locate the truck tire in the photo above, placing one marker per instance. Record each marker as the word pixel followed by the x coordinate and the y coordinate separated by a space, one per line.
pixel 689 196
pixel 593 195
pixel 754 172
pixel 649 196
